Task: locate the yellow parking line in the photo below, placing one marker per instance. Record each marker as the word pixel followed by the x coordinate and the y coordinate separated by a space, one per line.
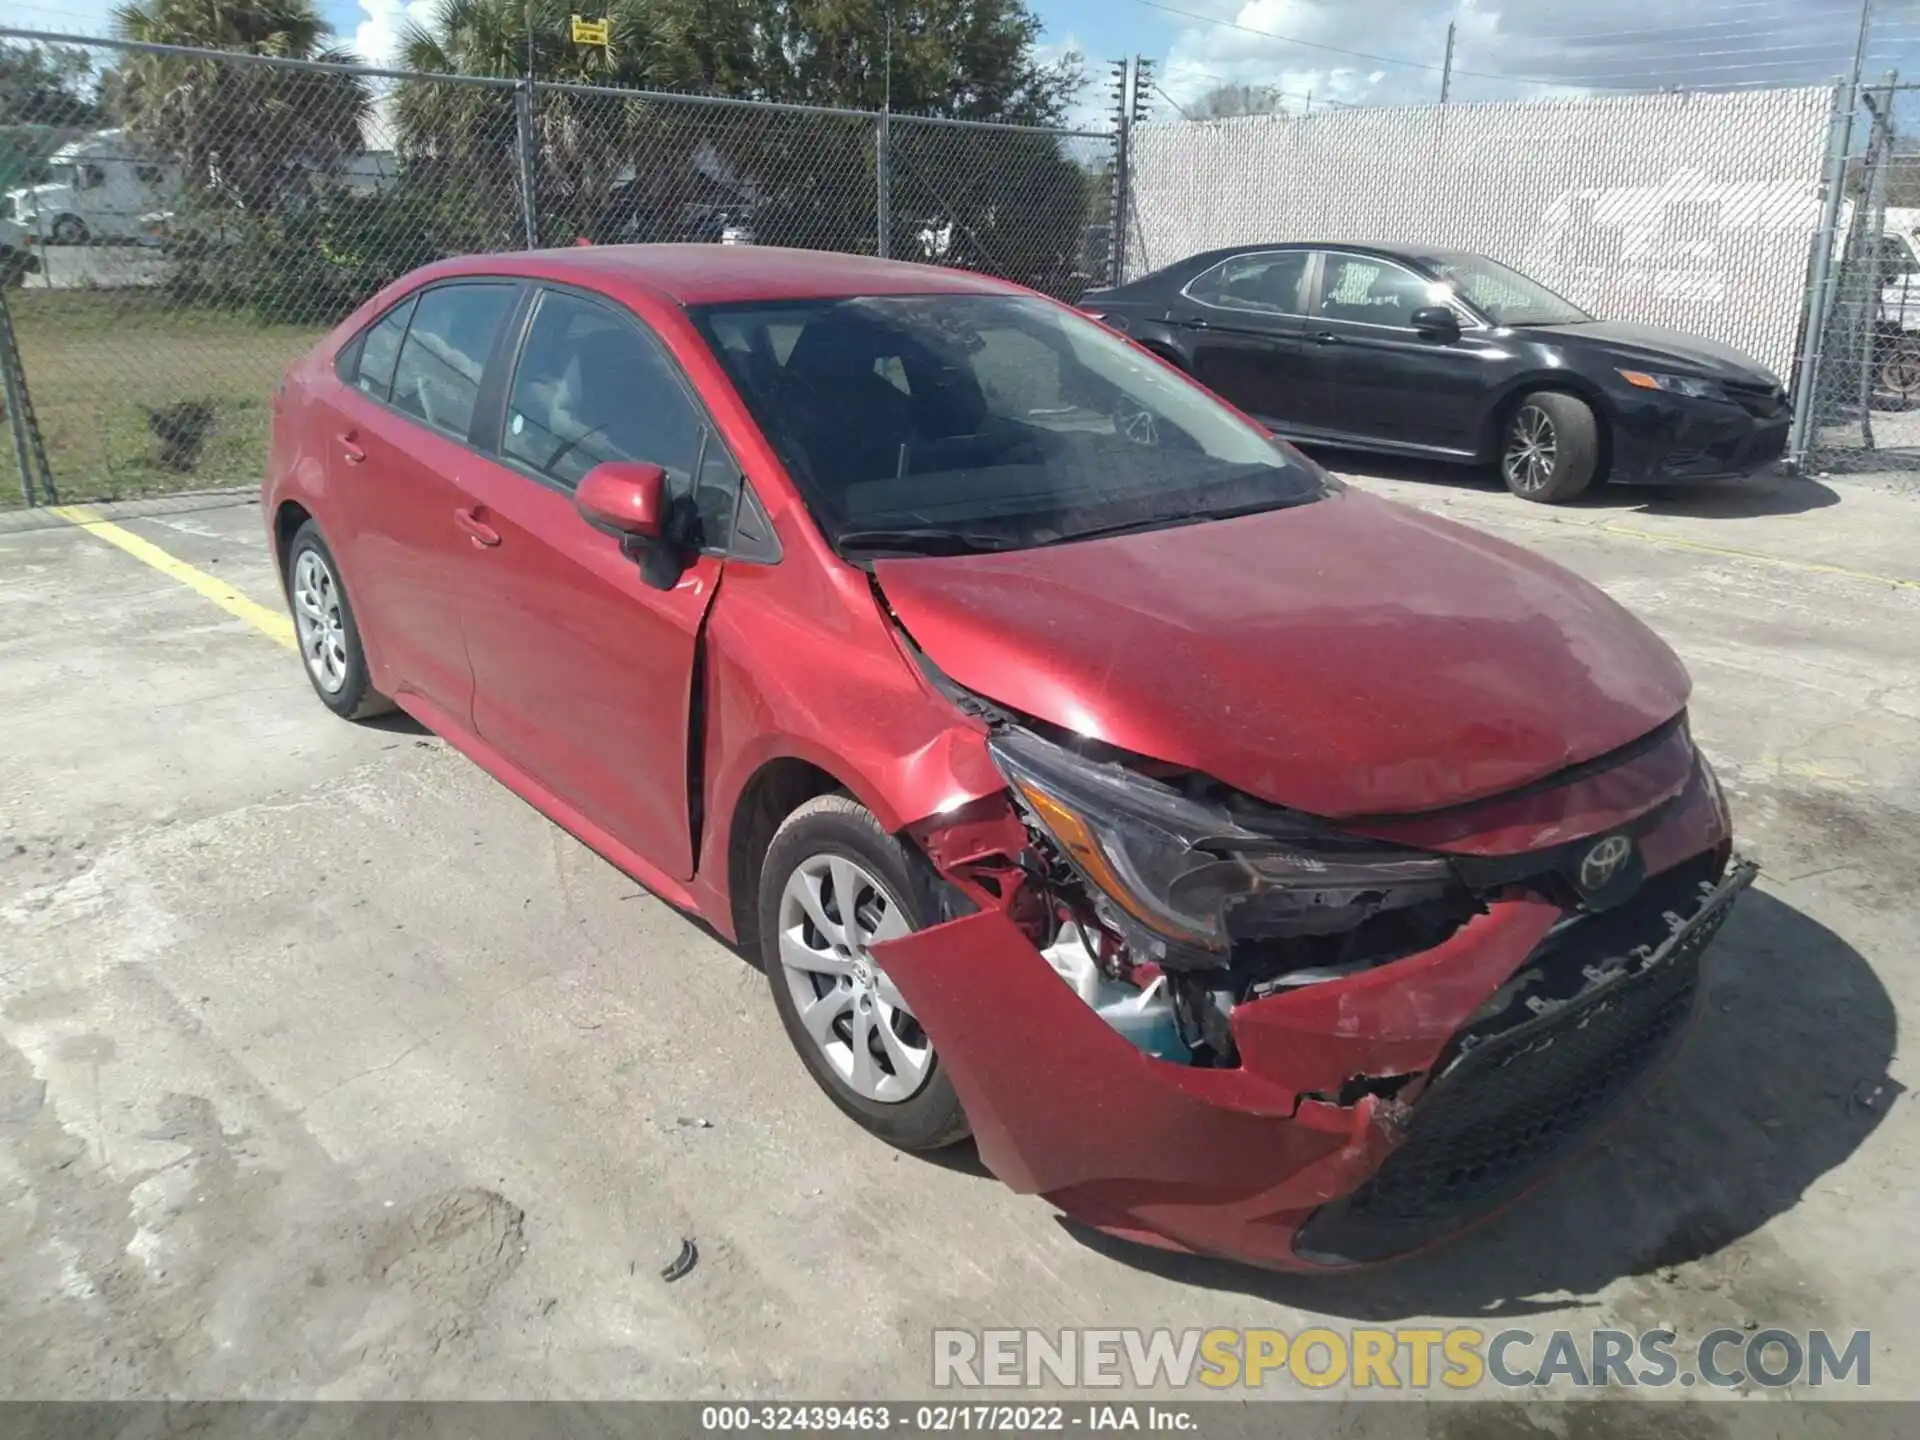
pixel 1818 566
pixel 272 623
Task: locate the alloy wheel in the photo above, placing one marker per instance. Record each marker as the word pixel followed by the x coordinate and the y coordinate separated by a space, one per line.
pixel 318 620
pixel 832 912
pixel 1532 448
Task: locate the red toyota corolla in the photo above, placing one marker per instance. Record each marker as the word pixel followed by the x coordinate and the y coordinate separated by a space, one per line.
pixel 1252 866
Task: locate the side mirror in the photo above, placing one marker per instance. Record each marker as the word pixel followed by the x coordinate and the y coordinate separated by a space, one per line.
pixel 627 498
pixel 1437 322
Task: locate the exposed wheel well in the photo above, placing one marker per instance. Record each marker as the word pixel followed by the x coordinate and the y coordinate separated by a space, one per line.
pixel 1166 352
pixel 1503 412
pixel 287 521
pixel 776 790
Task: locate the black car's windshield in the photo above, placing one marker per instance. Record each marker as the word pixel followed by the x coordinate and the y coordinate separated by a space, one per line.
pixel 948 423
pixel 1505 296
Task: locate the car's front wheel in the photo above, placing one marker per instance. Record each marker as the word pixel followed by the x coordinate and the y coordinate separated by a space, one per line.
pixel 834 885
pixel 70 230
pixel 1550 448
pixel 324 627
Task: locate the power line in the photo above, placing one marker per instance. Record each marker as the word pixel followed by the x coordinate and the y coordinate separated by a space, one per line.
pixel 1185 114
pixel 1584 82
pixel 1263 87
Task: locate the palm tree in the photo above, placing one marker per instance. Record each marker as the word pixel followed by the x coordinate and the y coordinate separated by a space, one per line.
pixel 584 144
pixel 251 134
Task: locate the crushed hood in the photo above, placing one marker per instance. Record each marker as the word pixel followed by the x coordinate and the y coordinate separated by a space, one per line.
pixel 1347 657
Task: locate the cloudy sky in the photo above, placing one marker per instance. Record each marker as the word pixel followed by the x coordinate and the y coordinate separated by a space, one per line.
pixel 1371 51
pixel 1393 49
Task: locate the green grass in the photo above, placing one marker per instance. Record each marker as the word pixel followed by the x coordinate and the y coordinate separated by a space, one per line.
pixel 99 361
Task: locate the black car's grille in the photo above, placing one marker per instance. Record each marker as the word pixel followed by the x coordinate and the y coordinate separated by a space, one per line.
pixel 1509 1105
pixel 1764 402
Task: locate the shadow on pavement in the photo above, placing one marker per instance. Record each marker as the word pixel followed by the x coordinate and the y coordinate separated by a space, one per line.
pixel 1782 1076
pixel 1757 495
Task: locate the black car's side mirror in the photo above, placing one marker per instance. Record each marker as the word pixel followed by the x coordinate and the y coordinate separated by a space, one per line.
pixel 1437 322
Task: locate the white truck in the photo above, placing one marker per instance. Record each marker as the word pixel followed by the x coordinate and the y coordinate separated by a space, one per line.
pixel 98 188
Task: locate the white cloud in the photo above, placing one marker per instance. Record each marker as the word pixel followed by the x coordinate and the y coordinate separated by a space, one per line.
pixel 376 39
pixel 1507 48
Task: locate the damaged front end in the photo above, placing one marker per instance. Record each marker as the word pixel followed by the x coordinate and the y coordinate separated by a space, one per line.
pixel 1282 1040
pixel 1218 896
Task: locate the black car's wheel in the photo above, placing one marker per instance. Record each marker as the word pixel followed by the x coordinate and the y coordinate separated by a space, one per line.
pixel 1550 448
pixel 835 884
pixel 328 636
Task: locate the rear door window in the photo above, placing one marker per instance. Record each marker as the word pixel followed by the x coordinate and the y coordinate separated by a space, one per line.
pixel 437 376
pixel 1270 283
pixel 379 347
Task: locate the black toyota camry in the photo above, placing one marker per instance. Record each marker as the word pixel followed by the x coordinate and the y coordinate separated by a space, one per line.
pixel 1453 356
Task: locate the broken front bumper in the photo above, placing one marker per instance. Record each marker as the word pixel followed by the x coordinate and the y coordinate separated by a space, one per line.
pixel 1293 1159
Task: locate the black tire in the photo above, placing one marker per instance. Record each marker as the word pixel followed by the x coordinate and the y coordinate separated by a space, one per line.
pixel 838 826
pixel 1550 447
pixel 70 230
pixel 354 698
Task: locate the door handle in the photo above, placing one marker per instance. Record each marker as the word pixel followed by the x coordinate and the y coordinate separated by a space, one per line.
pixel 1326 337
pixel 482 534
pixel 349 451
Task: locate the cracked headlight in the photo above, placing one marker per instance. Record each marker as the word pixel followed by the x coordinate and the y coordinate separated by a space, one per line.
pixel 1177 870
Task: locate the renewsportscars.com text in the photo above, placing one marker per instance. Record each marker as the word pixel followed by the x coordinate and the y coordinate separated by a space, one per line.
pixel 1454 1358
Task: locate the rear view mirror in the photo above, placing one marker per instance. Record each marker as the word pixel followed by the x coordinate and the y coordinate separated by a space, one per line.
pixel 627 498
pixel 1437 322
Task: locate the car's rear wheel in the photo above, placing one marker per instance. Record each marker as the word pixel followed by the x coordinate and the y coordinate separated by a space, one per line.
pixel 834 885
pixel 324 627
pixel 1550 448
pixel 70 230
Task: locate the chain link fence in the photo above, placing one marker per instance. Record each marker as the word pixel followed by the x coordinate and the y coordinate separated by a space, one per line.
pixel 183 224
pixel 1690 211
pixel 1862 371
pixel 177 225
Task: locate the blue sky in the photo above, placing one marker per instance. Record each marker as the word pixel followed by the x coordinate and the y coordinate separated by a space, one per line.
pixel 1371 51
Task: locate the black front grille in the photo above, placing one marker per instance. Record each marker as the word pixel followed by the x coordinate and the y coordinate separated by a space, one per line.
pixel 1762 401
pixel 1508 1104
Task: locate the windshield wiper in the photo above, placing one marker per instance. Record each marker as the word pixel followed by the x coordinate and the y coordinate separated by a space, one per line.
pixel 1193 517
pixel 927 540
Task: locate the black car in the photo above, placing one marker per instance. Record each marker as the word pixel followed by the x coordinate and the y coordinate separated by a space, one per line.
pixel 1453 356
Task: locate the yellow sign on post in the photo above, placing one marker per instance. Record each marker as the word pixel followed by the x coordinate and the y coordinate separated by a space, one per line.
pixel 593 32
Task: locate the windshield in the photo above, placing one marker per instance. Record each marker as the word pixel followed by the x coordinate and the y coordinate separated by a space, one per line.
pixel 965 422
pixel 1505 296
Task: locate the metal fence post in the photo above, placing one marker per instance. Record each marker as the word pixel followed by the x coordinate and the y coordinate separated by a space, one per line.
pixel 524 156
pixel 1820 276
pixel 883 185
pixel 1873 198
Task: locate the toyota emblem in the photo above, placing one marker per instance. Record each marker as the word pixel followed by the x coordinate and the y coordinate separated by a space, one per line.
pixel 1603 862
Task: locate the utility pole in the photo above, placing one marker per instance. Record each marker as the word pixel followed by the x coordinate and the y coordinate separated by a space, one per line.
pixel 1132 93
pixel 1446 66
